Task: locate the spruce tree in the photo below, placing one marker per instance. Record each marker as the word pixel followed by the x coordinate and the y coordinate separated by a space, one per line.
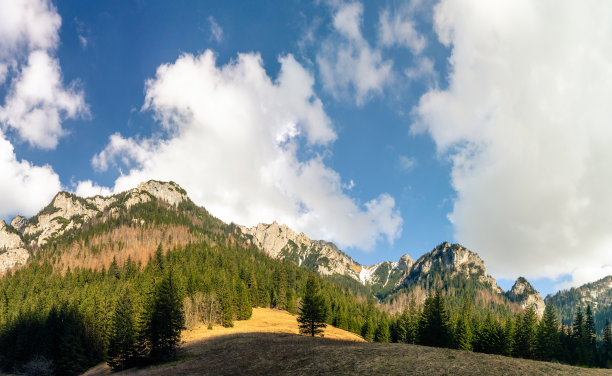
pixel 167 320
pixel 382 333
pixel 434 325
pixel 589 337
pixel 606 354
pixel 525 334
pixel 122 342
pixel 463 329
pixel 579 348
pixel 367 329
pixel 313 312
pixel 548 344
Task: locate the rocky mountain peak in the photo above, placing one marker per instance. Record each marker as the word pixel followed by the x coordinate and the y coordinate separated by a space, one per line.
pixel 169 192
pixel 19 223
pixel 281 242
pixel 405 262
pixel 455 260
pixel 523 293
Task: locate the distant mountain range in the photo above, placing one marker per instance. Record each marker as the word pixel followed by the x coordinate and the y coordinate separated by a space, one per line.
pixel 450 267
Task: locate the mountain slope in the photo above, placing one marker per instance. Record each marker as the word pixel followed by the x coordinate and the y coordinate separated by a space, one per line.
pixel 597 294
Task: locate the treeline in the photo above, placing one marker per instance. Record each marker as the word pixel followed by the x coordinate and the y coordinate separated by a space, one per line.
pixel 521 335
pixel 66 323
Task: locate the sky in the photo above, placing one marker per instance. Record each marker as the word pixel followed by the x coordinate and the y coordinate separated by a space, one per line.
pixel 386 127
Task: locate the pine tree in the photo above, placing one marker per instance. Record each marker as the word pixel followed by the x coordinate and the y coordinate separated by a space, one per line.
pixel 463 329
pixel 525 334
pixel 227 307
pixel 122 342
pixel 548 344
pixel 367 329
pixel 382 333
pixel 589 337
pixel 313 312
pixel 167 320
pixel 434 324
pixel 578 338
pixel 606 356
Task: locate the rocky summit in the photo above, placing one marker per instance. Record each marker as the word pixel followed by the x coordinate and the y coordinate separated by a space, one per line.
pixel 68 211
pixel 523 293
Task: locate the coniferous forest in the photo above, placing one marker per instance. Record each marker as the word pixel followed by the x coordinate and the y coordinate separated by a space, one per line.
pixel 64 320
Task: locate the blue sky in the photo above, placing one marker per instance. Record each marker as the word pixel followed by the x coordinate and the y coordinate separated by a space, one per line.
pixel 386 127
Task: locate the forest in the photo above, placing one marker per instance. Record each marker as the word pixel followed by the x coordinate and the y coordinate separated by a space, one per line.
pixel 58 319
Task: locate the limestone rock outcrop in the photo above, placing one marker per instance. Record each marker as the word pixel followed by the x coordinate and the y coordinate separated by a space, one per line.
pixel 523 293
pixel 281 242
pixel 12 252
pixel 19 223
pixel 454 259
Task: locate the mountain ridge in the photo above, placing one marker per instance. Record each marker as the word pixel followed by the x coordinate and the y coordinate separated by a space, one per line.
pixel 66 211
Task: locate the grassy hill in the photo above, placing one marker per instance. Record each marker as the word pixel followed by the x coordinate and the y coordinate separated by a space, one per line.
pixel 268 344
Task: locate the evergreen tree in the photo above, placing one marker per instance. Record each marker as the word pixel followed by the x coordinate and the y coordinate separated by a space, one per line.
pixel 313 312
pixel 606 354
pixel 382 333
pixel 579 348
pixel 463 329
pixel 367 329
pixel 589 337
pixel 122 342
pixel 525 334
pixel 167 320
pixel 548 344
pixel 434 324
pixel 227 307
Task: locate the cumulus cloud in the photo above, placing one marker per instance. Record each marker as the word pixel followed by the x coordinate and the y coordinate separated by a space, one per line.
pixel 243 145
pixel 525 121
pixel 35 102
pixel 347 63
pixel 88 188
pixel 24 187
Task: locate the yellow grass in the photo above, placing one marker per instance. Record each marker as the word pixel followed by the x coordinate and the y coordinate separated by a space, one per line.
pixel 264 320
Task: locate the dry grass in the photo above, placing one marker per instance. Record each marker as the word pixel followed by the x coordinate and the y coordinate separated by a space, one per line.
pixel 268 345
pixel 264 320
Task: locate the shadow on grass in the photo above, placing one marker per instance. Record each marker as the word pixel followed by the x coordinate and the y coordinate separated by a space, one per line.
pixel 284 353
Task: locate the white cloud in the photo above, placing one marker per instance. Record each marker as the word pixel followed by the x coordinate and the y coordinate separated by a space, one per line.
pixel 87 188
pixel 24 188
pixel 407 163
pixel 399 29
pixel 526 121
pixel 347 63
pixel 232 137
pixel 83 41
pixel 216 31
pixel 37 101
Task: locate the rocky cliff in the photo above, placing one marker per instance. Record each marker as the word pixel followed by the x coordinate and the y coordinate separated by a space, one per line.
pixel 12 251
pixel 452 260
pixel 67 211
pixel 524 294
pixel 281 242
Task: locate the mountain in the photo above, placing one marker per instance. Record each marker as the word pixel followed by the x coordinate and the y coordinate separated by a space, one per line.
pixel 524 294
pixel 390 282
pixel 597 294
pixel 68 214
